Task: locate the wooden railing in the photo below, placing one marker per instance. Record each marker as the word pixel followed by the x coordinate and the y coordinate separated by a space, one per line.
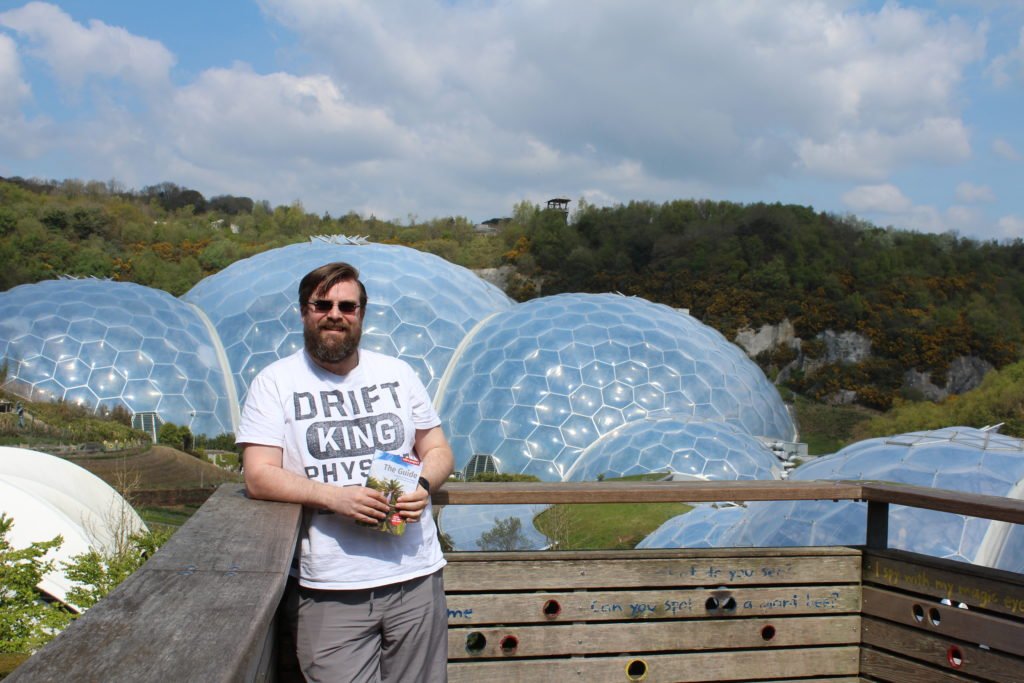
pixel 204 607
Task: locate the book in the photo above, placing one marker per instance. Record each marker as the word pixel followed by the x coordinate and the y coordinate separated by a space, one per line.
pixel 393 474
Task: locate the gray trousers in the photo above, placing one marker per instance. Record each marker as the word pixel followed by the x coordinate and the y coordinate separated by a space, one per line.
pixel 390 634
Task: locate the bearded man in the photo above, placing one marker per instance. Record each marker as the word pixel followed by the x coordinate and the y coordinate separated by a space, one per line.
pixel 369 606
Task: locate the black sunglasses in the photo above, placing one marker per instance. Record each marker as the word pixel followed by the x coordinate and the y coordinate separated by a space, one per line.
pixel 325 306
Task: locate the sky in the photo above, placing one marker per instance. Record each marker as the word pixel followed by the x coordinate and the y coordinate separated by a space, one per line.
pixel 908 115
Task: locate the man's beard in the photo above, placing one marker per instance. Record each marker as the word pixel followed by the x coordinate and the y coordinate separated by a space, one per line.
pixel 331 348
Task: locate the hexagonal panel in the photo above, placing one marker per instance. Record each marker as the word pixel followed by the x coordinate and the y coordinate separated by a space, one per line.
pixel 915 457
pixel 138 337
pixel 618 360
pixel 437 301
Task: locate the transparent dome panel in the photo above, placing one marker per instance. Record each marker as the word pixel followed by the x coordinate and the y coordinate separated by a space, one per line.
pixel 136 338
pixel 440 294
pixel 676 445
pixel 591 363
pixel 701 527
pixel 912 458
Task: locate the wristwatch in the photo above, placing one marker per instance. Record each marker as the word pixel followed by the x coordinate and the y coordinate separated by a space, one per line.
pixel 425 483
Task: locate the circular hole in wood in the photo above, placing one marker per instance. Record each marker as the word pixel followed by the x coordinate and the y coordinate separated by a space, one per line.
pixel 552 608
pixel 934 616
pixel 955 657
pixel 508 644
pixel 476 642
pixel 729 604
pixel 918 613
pixel 711 604
pixel 636 670
pixel 768 632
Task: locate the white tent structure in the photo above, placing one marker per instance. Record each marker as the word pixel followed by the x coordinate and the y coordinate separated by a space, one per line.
pixel 47 496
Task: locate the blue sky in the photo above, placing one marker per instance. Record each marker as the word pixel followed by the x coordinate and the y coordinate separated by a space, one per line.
pixel 903 114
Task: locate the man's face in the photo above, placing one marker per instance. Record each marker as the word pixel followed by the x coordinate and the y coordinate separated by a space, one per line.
pixel 332 336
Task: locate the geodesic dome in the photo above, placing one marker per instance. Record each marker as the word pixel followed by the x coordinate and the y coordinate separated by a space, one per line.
pixel 419 308
pixel 701 527
pixel 954 458
pixel 537 385
pixel 103 343
pixel 696 449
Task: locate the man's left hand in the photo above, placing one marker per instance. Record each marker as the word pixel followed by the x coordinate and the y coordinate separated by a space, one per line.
pixel 411 505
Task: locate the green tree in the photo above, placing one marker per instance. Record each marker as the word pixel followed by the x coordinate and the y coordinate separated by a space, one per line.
pixel 27 622
pixel 175 435
pixel 96 573
pixel 506 534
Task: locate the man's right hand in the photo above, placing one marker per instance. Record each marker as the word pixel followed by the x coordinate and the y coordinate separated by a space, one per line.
pixel 358 502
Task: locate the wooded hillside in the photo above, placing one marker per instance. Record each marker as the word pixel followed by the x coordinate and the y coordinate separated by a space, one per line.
pixel 922 300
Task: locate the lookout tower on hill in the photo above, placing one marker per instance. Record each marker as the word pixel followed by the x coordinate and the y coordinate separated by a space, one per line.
pixel 559 204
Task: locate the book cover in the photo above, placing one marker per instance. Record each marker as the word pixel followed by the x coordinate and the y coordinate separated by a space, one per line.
pixel 393 474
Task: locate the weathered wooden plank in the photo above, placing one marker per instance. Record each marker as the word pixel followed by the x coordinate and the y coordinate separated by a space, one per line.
pixel 884 666
pixel 956 502
pixel 1006 635
pixel 651 636
pixel 947 654
pixel 978 587
pixel 695 667
pixel 200 609
pixel 232 533
pixel 554 574
pixel 554 607
pixel 148 629
pixel 486 493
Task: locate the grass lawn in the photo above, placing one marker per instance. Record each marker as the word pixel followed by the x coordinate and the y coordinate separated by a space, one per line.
pixel 166 517
pixel 606 526
pixel 826 429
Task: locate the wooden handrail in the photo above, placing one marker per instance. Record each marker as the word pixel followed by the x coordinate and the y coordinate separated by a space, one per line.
pixel 506 493
pixel 203 607
pixel 480 493
pixel 971 504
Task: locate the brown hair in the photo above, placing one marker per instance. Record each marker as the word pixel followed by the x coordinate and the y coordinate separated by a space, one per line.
pixel 326 276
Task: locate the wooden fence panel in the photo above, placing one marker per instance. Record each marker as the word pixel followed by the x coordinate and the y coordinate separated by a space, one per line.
pixel 882 666
pixel 945 620
pixel 942 653
pixel 654 636
pixel 699 667
pixel 665 603
pixel 978 587
pixel 637 569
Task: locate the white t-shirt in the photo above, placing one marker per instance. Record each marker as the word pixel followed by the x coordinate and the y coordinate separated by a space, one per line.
pixel 329 427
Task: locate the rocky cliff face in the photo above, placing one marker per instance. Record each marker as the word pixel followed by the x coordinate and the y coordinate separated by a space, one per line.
pixel 964 373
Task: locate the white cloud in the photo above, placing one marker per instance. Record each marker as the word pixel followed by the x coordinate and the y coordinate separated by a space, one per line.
pixel 797 83
pixel 1005 149
pixel 241 114
pixel 872 154
pixel 13 89
pixel 1008 68
pixel 1011 227
pixel 75 52
pixel 886 204
pixel 971 193
pixel 438 108
pixel 877 198
pixel 20 137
